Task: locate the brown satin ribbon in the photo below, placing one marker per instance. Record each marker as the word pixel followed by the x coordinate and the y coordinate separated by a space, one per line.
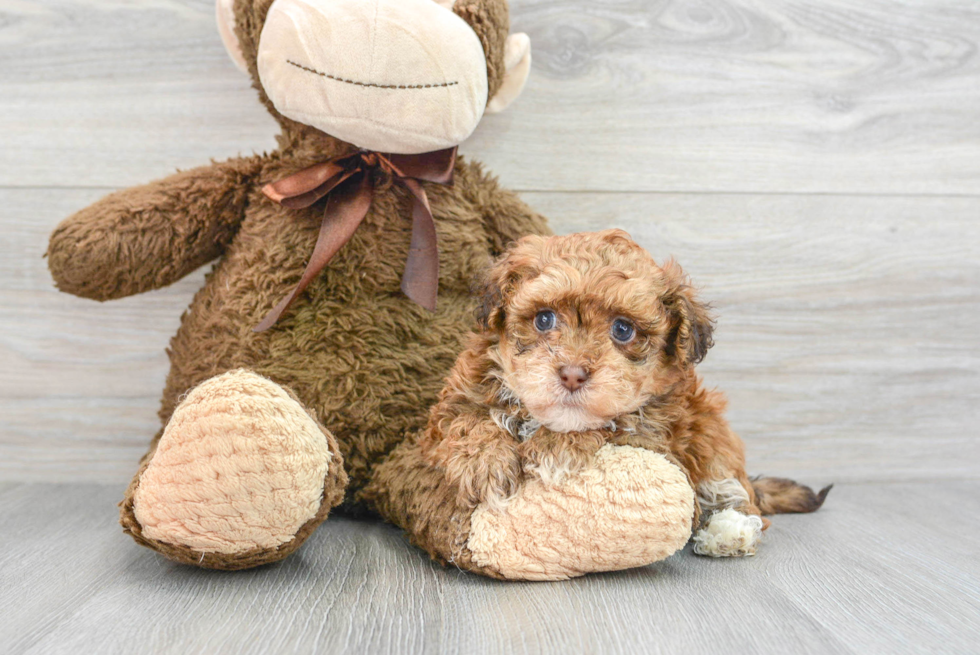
pixel 350 182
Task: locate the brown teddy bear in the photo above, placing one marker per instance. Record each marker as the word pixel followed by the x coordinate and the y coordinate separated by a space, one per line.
pixel 339 302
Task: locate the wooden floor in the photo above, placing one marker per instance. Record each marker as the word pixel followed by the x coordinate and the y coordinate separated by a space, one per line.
pixel 885 568
pixel 815 166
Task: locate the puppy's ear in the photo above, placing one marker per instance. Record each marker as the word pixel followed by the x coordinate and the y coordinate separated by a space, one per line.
pixel 490 311
pixel 691 323
pixel 520 262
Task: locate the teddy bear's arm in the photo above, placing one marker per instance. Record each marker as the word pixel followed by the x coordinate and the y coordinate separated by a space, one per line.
pixel 149 236
pixel 629 508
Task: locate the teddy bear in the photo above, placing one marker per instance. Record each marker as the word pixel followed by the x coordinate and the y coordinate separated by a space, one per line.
pixel 339 298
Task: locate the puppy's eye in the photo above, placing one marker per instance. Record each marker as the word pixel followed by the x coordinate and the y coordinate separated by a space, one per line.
pixel 622 330
pixel 545 320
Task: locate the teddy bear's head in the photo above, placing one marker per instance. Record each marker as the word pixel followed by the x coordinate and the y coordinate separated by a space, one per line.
pixel 401 76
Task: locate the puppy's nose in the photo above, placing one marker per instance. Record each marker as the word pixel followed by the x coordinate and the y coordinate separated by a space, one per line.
pixel 572 377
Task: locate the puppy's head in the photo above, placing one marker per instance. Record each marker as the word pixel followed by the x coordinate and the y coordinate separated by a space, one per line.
pixel 588 327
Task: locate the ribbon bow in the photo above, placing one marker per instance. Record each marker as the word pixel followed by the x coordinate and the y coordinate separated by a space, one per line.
pixel 351 180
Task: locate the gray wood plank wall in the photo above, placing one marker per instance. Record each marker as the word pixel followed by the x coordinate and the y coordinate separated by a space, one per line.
pixel 814 165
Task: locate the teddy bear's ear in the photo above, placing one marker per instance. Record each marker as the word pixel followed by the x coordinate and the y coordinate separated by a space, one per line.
pixel 517 65
pixel 225 13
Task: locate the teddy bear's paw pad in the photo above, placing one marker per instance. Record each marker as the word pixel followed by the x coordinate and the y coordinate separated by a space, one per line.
pixel 729 533
pixel 632 508
pixel 240 467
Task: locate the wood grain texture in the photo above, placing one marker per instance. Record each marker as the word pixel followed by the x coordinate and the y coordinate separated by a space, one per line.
pixel 846 341
pixel 815 166
pixel 881 96
pixel 846 336
pixel 883 568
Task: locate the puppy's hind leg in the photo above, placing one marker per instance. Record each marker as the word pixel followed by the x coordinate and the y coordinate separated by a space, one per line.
pixel 731 526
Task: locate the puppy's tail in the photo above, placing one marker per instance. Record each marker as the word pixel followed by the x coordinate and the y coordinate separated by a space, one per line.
pixel 782 496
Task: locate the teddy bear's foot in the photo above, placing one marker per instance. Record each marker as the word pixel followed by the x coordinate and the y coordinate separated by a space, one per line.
pixel 241 476
pixel 632 508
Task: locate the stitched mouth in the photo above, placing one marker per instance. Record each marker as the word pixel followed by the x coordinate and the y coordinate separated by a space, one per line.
pixel 369 84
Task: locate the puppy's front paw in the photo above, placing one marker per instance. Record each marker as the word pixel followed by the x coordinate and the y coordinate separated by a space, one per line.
pixel 490 476
pixel 729 533
pixel 551 456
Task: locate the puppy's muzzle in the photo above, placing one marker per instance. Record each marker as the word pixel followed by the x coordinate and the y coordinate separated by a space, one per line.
pixel 573 377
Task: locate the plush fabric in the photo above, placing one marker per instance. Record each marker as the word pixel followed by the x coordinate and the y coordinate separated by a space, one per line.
pixel 488 19
pixel 213 534
pixel 633 508
pixel 151 236
pixel 352 68
pixel 517 60
pixel 240 467
pixel 263 433
pixel 225 18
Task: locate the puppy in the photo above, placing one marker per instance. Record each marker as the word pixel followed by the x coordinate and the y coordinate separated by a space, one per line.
pixel 584 340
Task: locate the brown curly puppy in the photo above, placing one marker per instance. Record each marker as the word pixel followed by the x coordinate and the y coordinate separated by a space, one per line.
pixel 587 341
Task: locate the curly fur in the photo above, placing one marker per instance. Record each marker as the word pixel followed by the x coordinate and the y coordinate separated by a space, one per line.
pixel 642 393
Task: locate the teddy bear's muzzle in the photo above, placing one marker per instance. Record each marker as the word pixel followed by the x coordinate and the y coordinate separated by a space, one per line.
pixel 402 76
